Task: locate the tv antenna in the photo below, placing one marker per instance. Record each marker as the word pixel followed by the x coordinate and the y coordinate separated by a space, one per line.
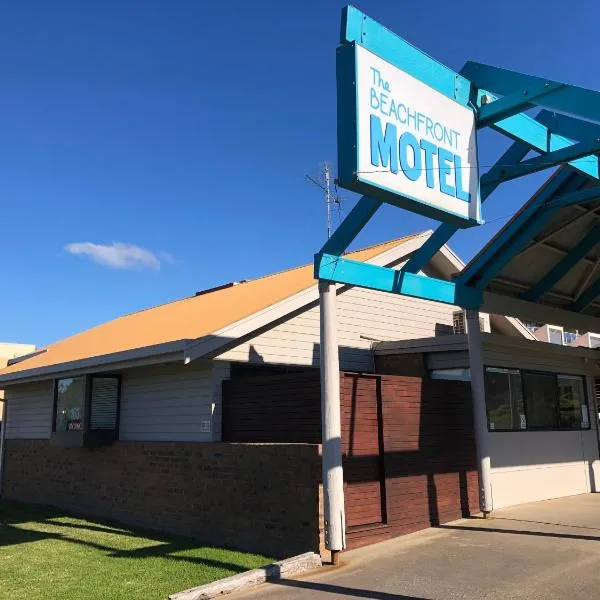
pixel 330 198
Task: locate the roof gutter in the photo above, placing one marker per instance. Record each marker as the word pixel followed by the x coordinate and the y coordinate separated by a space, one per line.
pixel 159 353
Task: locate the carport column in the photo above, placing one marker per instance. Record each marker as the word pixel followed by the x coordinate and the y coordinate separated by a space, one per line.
pixel 479 412
pixel 333 475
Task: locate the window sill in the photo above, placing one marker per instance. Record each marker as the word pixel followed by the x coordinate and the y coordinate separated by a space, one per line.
pixel 86 439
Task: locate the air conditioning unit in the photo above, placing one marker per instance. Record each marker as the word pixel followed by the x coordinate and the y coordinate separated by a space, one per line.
pixel 459 322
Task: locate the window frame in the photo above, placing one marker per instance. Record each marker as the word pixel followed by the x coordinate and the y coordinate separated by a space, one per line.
pixel 528 428
pixel 87 407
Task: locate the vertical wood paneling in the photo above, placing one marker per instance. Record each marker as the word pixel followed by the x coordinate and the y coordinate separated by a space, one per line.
pixel 362 454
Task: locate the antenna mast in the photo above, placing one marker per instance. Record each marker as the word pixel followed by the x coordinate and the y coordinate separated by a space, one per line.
pixel 328 200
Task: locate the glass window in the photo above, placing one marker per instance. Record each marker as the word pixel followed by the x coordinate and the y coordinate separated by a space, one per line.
pixel 555 336
pixel 70 401
pixel 451 374
pixel 573 411
pixel 504 399
pixel 569 337
pixel 541 399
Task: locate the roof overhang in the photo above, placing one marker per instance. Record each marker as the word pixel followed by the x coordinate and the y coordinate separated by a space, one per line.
pixel 514 346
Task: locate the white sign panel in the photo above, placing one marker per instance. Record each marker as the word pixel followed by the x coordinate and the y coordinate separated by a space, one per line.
pixel 414 142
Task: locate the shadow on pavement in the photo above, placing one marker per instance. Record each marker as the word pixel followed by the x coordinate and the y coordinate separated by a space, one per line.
pixel 568 536
pixel 342 590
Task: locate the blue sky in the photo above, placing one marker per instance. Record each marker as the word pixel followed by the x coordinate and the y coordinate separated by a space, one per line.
pixel 186 128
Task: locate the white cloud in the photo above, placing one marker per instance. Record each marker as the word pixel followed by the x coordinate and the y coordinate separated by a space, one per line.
pixel 120 256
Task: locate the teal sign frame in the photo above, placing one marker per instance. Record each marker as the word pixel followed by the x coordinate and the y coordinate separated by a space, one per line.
pixel 499 98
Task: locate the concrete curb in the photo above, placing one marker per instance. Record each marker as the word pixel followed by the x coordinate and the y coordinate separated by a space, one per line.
pixel 279 570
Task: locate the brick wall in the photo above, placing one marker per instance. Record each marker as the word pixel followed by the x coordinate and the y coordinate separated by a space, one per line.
pixel 261 497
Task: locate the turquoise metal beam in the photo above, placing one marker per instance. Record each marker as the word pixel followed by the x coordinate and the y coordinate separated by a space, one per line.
pixel 502 248
pixel 514 103
pixel 350 272
pixel 539 137
pixel 575 129
pixel 587 297
pixel 351 226
pixel 515 153
pixel 543 162
pixel 568 99
pixel 560 269
pixel 358 27
pixel 588 194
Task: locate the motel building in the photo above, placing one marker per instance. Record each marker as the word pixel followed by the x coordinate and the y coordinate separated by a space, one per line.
pixel 372 393
pixel 202 416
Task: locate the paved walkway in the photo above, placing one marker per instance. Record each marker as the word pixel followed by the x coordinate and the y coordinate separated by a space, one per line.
pixel 547 550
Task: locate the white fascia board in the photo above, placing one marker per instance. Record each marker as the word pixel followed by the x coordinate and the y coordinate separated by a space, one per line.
pixel 532 311
pixel 210 343
pixel 160 353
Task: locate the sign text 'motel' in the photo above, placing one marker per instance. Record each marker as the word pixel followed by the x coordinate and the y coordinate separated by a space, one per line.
pixel 403 142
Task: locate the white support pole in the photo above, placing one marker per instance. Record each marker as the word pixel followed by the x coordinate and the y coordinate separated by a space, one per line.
pixel 479 412
pixel 333 475
pixel 2 444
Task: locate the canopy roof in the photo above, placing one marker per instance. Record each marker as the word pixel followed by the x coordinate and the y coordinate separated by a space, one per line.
pixel 547 255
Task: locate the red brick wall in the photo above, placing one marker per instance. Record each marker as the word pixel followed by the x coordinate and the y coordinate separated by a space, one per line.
pixel 261 497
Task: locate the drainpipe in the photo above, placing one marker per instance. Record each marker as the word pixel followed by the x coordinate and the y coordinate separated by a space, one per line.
pixel 479 413
pixel 2 445
pixel 333 475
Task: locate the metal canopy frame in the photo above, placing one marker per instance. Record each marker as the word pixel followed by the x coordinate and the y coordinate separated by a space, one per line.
pixel 566 134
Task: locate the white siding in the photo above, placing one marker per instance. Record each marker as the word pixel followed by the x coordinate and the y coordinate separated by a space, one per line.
pixel 361 312
pixel 532 466
pixel 171 403
pixel 30 410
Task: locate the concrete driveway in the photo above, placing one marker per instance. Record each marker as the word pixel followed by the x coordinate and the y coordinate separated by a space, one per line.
pixel 544 550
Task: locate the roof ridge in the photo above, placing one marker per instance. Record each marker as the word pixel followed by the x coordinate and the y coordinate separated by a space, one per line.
pixel 266 276
pixel 49 347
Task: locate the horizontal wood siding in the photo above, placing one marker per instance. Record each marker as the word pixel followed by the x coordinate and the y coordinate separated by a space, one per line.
pixel 30 410
pixel 168 403
pixel 280 408
pixel 361 312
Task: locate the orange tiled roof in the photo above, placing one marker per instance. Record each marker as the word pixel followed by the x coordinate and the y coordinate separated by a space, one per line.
pixel 188 318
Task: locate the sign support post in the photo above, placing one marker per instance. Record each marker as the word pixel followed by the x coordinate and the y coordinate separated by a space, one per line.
pixel 333 475
pixel 479 413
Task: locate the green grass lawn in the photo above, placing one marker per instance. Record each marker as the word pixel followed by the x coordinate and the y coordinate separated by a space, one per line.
pixel 46 553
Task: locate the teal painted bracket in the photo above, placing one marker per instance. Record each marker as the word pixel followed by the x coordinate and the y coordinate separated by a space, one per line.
pixel 351 226
pixel 351 272
pixel 566 98
pixel 514 103
pixel 569 127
